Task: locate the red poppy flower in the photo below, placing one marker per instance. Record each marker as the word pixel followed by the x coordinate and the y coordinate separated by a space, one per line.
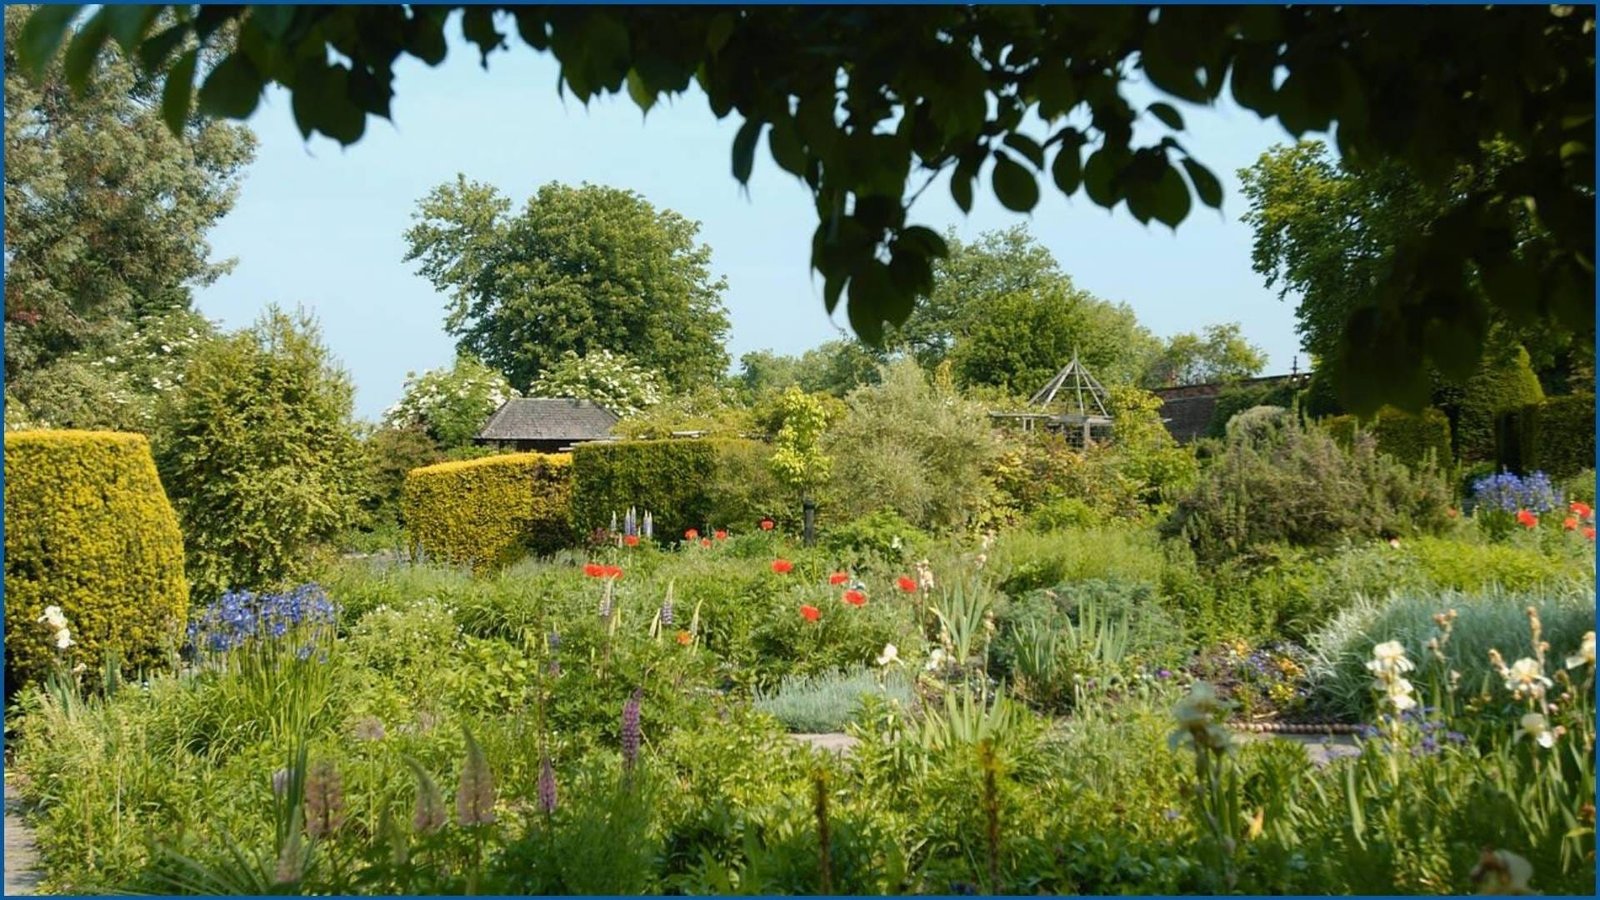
pixel 782 566
pixel 855 598
pixel 1526 519
pixel 594 570
pixel 1589 532
pixel 768 524
pixel 684 638
pixel 692 534
pixel 631 540
pixel 705 542
pixel 811 613
pixel 612 571
pixel 1570 523
pixel 1583 510
pixel 907 584
pixel 1452 512
pixel 838 578
pixel 720 534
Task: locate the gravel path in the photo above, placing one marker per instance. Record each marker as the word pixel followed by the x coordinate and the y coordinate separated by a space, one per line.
pixel 22 853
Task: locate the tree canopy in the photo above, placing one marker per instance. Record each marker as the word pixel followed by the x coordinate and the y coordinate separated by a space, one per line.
pixel 106 211
pixel 868 105
pixel 1220 353
pixel 580 270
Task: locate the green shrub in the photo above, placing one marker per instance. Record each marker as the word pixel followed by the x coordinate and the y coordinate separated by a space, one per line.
pixel 259 454
pixel 1580 487
pixel 488 512
pixel 1236 398
pixel 885 534
pixel 815 704
pixel 1022 561
pixel 1555 436
pixel 1505 382
pixel 684 483
pixel 1066 512
pixel 89 529
pixel 1412 439
pixel 1487 619
pixel 1278 482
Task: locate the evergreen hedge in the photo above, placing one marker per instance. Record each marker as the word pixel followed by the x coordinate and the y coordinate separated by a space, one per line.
pixel 492 511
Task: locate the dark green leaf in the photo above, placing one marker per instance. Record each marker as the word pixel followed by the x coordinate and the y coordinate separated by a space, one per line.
pixel 961 189
pixel 1167 114
pixel 787 151
pixel 129 23
pixel 718 32
pixel 832 287
pixel 1099 179
pixel 153 52
pixel 177 93
pixel 232 90
pixel 1053 85
pixel 273 20
pixel 912 274
pixel 642 95
pixel 1014 185
pixel 42 35
pixel 744 149
pixel 1169 198
pixel 477 26
pixel 83 49
pixel 1027 146
pixel 872 295
pixel 1252 79
pixel 1206 186
pixel 1067 170
pixel 927 241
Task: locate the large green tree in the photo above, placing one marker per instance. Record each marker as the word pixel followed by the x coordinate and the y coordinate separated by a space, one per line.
pixel 581 269
pixel 1219 353
pixel 868 106
pixel 259 453
pixel 1331 234
pixel 106 210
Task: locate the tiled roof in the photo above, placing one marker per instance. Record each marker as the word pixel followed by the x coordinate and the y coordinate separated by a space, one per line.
pixel 548 419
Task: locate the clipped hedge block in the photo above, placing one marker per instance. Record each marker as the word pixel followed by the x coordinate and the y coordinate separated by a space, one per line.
pixel 1507 382
pixel 492 511
pixel 701 483
pixel 89 529
pixel 1406 437
pixel 1555 436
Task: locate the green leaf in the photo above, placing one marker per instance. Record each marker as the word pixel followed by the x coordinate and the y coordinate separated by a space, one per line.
pixel 744 149
pixel 154 51
pixel 1167 114
pixel 1027 146
pixel 718 32
pixel 961 189
pixel 42 35
pixel 178 92
pixel 129 23
pixel 83 49
pixel 1067 170
pixel 477 26
pixel 1099 179
pixel 424 36
pixel 787 151
pixel 1206 186
pixel 274 21
pixel 1169 198
pixel 926 240
pixel 871 295
pixel 642 96
pixel 232 90
pixel 1014 185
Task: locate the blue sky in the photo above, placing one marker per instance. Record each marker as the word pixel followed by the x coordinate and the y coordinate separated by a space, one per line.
pixel 321 226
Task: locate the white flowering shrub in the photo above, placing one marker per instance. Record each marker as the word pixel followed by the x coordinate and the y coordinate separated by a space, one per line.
pixel 451 404
pixel 612 380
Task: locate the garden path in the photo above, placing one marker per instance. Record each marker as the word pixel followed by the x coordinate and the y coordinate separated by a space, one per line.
pixel 22 852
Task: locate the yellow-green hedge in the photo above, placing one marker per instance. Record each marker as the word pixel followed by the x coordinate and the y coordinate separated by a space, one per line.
pixel 488 512
pixel 89 529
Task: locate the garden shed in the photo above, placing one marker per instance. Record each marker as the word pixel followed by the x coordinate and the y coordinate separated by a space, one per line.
pixel 546 424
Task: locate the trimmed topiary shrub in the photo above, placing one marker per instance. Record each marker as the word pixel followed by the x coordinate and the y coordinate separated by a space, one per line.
pixel 1505 382
pixel 1555 436
pixel 89 530
pixel 1406 437
pixel 489 512
pixel 685 484
pixel 1237 398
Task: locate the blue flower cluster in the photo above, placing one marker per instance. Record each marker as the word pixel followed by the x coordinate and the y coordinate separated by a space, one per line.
pixel 1508 493
pixel 239 616
pixel 1431 729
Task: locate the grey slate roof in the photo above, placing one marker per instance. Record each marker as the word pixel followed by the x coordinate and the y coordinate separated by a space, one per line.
pixel 548 419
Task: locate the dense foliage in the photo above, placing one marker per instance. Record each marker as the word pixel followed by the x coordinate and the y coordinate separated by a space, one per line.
pixel 484 513
pixel 1555 436
pixel 450 405
pixel 259 454
pixel 90 535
